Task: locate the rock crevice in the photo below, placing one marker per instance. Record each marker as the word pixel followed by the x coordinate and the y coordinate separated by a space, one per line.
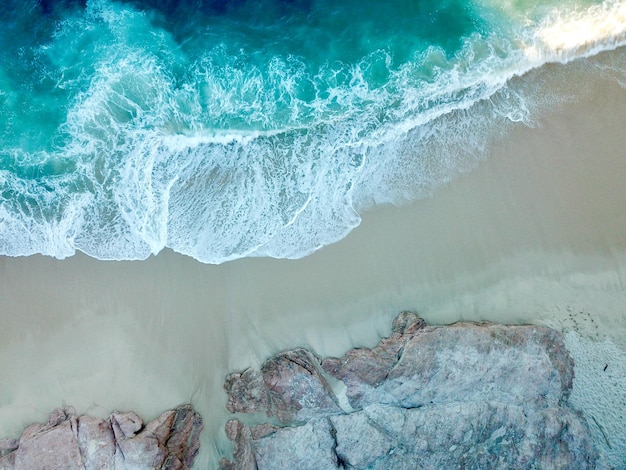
pixel 68 441
pixel 466 395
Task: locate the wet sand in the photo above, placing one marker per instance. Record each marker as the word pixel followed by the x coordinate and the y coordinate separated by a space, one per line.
pixel 536 234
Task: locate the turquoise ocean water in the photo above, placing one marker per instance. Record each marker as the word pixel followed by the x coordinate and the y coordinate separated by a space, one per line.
pixel 234 128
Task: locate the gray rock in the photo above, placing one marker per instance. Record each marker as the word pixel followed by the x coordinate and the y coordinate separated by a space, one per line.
pixel 121 442
pixel 309 447
pixel 472 361
pixel 467 435
pixel 361 442
pixel 306 447
pixel 7 461
pixel 7 446
pixel 461 396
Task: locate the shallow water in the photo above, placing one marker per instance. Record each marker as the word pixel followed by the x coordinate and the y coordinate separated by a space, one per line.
pixel 246 128
pixel 534 234
pixel 127 129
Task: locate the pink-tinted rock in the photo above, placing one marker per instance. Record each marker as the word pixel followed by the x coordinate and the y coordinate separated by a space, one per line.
pixel 290 386
pixel 227 464
pixel 61 414
pixel 362 368
pixel 243 452
pixel 142 452
pixel 161 427
pixel 96 442
pixel 184 440
pixel 298 391
pixel 247 392
pixel 461 396
pixel 66 442
pixel 407 323
pixel 125 425
pixel 50 446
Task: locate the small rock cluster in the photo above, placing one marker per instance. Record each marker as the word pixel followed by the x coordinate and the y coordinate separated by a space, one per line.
pixel 461 396
pixel 69 442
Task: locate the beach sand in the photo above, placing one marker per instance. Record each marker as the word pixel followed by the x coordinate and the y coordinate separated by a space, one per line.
pixel 536 234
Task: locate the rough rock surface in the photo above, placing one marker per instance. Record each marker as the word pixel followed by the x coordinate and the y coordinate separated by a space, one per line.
pixel 290 386
pixel 121 442
pixel 461 396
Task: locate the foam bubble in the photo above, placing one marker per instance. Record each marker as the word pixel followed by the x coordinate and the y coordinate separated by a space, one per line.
pixel 220 155
pixel 600 27
pixel 598 391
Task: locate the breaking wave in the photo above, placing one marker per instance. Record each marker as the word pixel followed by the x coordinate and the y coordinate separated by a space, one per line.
pixel 257 130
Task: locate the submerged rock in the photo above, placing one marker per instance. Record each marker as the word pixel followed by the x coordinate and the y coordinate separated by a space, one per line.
pixel 461 396
pixel 69 442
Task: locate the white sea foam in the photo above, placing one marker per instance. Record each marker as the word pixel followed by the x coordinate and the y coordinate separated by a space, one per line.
pixel 601 27
pixel 241 161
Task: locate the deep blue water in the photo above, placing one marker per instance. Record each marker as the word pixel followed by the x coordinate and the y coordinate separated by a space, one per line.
pixel 225 129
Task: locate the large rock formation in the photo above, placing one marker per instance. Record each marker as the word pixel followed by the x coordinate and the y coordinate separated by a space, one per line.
pixel 461 396
pixel 68 442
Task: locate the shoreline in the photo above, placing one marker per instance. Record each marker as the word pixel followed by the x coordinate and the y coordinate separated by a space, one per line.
pixel 535 234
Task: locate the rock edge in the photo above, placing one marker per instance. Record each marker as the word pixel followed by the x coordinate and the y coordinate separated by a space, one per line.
pixel 467 395
pixel 68 441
